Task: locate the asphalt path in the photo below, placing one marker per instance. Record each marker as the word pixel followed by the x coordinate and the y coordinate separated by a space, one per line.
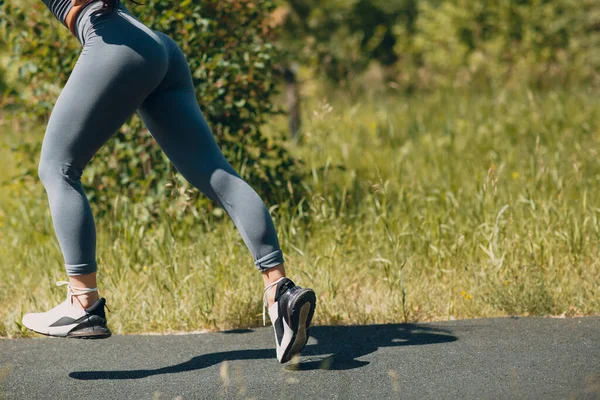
pixel 507 358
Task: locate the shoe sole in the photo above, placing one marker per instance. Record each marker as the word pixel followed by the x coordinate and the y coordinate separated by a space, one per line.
pixel 303 309
pixel 80 335
pixel 96 332
pixel 93 328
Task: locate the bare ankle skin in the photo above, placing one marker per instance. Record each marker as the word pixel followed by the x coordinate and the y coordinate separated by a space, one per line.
pixel 84 300
pixel 269 276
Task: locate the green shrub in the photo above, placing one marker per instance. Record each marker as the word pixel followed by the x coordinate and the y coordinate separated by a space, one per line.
pixel 234 69
pixel 448 43
pixel 528 42
pixel 342 37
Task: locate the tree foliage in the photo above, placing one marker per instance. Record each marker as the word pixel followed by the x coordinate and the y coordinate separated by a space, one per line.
pixel 450 43
pixel 539 43
pixel 341 37
pixel 233 63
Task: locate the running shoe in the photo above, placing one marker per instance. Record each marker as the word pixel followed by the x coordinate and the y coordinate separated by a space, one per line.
pixel 67 320
pixel 291 315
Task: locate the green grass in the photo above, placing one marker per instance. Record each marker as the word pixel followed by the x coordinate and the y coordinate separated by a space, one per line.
pixel 424 207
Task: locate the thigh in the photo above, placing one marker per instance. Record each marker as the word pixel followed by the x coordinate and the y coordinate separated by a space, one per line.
pixel 174 118
pixel 107 85
pixel 176 122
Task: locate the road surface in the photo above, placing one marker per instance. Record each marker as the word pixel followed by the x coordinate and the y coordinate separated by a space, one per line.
pixel 506 358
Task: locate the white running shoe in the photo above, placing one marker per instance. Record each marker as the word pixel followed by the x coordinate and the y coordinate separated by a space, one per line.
pixel 66 320
pixel 291 315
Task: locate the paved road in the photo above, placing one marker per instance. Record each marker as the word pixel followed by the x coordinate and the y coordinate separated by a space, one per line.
pixel 537 358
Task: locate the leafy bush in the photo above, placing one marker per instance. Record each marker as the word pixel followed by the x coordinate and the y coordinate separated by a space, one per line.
pixel 448 43
pixel 533 42
pixel 234 68
pixel 342 37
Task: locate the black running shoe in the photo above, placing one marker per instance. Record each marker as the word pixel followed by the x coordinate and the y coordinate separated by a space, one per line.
pixel 67 320
pixel 291 315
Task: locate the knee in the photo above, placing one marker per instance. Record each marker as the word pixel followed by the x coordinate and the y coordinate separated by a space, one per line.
pixel 51 171
pixel 46 172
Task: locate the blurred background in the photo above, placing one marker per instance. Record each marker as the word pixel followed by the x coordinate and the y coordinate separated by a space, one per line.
pixel 423 160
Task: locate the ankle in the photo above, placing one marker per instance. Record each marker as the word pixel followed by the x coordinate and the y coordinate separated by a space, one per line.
pixel 271 291
pixel 271 276
pixel 270 295
pixel 85 300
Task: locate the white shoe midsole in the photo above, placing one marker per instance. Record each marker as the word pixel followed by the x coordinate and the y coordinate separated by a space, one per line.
pixel 60 331
pixel 288 333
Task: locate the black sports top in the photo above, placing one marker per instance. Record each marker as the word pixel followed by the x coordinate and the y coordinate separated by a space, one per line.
pixel 60 8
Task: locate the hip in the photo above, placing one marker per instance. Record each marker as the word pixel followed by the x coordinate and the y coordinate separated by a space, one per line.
pixel 88 18
pixel 75 11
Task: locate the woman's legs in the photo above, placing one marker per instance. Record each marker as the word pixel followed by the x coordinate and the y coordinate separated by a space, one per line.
pixel 110 81
pixel 107 85
pixel 173 116
pixel 123 66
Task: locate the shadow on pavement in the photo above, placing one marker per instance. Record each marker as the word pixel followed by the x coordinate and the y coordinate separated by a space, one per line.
pixel 337 348
pixel 344 344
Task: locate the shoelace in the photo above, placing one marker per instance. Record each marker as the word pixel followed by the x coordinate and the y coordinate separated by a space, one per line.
pixel 71 292
pixel 265 303
pixel 72 289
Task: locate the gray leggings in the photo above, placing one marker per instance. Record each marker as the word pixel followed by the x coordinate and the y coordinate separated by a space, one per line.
pixel 124 66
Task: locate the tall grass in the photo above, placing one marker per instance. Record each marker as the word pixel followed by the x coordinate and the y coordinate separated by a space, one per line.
pixel 424 207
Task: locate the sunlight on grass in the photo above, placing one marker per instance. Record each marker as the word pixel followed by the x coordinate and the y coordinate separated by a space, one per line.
pixel 437 206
